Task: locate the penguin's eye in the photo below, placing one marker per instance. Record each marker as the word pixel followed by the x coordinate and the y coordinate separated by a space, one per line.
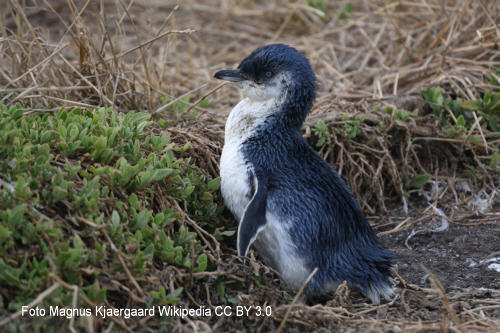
pixel 269 75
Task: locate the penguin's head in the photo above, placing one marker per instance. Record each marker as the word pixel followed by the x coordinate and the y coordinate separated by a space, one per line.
pixel 276 71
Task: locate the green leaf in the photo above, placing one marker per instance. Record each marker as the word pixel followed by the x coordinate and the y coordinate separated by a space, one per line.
pixel 59 193
pixel 185 147
pixel 475 139
pixel 16 214
pixel 16 112
pixel 419 180
pixel 143 125
pixel 142 219
pixel 48 136
pixel 202 263
pixel 495 160
pixel 134 201
pixel 99 146
pixel 321 126
pixel 21 189
pixel 160 174
pixel 115 217
pixel 205 102
pixel 173 297
pixel 433 94
pixel 144 178
pixel 472 105
pixel 206 197
pixel 189 190
pixel 214 184
pixel 73 132
pixel 494 78
pixel 5 236
pixel 493 125
pixel 220 289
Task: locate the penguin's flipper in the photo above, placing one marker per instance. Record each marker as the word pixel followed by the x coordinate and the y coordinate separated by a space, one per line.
pixel 254 216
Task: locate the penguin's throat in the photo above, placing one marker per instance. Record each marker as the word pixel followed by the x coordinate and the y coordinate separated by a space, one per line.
pixel 248 115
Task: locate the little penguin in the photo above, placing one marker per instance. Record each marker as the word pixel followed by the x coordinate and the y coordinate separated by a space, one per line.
pixel 292 205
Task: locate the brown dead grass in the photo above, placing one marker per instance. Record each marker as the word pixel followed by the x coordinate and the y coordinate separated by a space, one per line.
pixel 127 54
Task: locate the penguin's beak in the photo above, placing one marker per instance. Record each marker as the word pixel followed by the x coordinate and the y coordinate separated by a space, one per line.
pixel 232 75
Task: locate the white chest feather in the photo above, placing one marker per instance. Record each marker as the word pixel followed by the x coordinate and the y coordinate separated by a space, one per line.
pixel 234 169
pixel 234 179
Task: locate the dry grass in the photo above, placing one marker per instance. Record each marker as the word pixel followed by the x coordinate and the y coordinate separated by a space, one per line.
pixel 128 54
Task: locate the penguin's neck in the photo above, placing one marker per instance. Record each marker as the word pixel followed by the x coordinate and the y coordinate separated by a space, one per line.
pixel 281 114
pixel 248 116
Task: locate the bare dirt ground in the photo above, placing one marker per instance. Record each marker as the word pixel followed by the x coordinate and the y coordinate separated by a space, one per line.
pixel 458 256
pixel 128 54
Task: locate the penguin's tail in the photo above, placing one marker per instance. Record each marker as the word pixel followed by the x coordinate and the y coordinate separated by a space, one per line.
pixel 377 282
pixel 375 291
